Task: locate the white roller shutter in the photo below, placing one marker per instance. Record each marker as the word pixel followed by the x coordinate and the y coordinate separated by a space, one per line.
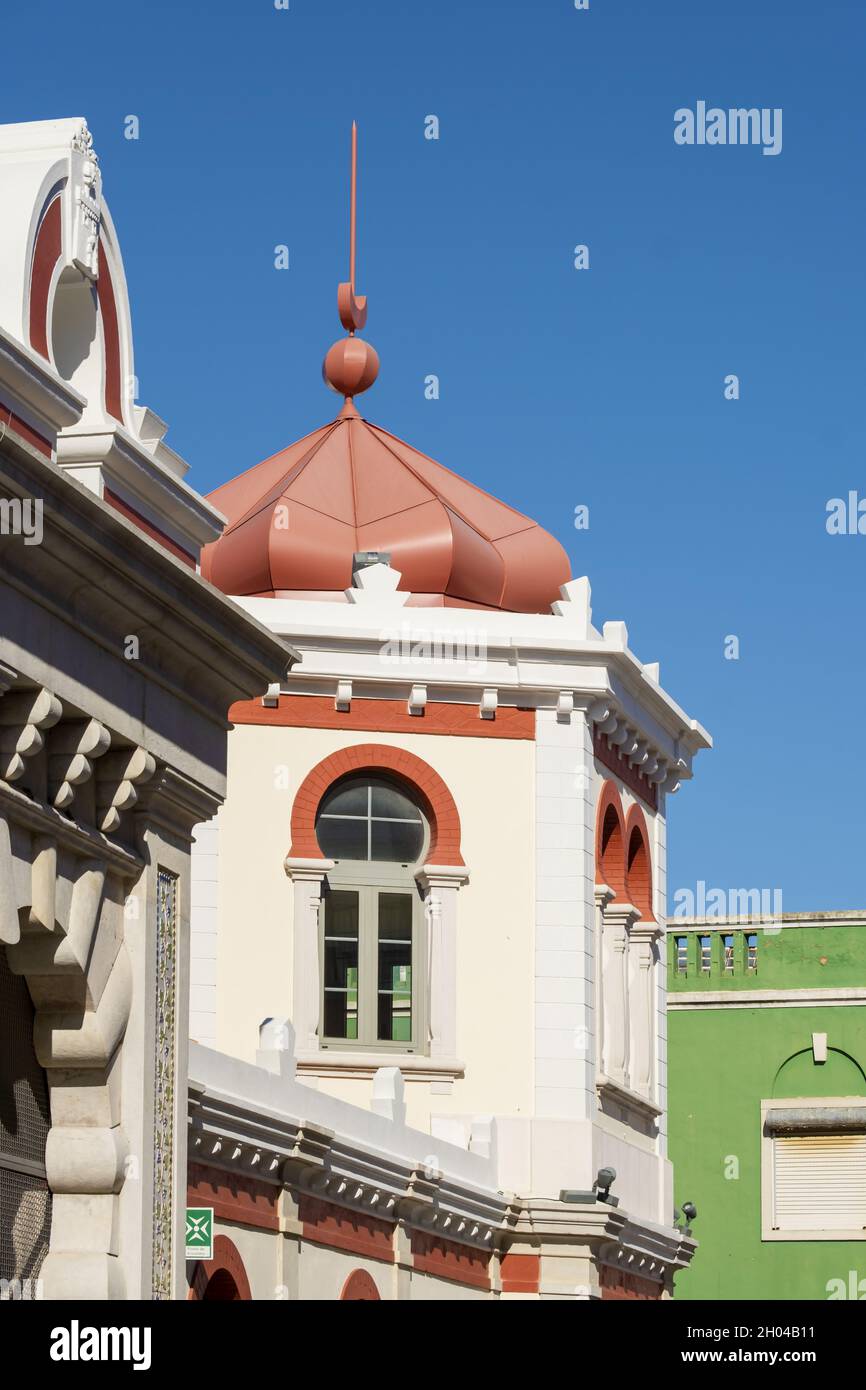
pixel 819 1182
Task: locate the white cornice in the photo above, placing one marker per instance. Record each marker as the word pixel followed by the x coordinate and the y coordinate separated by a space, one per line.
pixel 770 923
pixel 129 462
pixel 33 382
pixel 247 1120
pixel 469 655
pixel 765 998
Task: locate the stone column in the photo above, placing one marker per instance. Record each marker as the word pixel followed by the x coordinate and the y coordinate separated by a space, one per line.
pixel 440 884
pixel 603 895
pixel 618 919
pixel 642 960
pixel 307 877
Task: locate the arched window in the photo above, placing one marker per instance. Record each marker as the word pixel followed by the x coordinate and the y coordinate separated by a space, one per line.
pixel 369 819
pixel 371 920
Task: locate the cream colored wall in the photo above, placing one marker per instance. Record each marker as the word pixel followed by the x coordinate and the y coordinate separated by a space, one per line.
pixel 322 1273
pixel 491 781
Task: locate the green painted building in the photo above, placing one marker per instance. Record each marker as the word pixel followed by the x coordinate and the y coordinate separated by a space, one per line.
pixel 767 1103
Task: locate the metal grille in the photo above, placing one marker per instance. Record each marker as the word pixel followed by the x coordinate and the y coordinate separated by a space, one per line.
pixel 25 1224
pixel 25 1201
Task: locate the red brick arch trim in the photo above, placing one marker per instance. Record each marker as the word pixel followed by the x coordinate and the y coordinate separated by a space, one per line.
pixel 46 254
pixel 224 1272
pixel 360 1287
pixel 638 868
pixel 436 800
pixel 610 840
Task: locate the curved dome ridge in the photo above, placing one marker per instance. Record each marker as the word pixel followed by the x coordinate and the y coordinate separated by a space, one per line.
pixel 295 521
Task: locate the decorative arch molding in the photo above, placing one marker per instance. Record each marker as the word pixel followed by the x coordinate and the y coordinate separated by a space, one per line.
pixel 436 800
pixel 48 289
pixel 799 1075
pixel 610 840
pixel 638 865
pixel 360 1287
pixel 64 293
pixel 222 1279
pixel 46 253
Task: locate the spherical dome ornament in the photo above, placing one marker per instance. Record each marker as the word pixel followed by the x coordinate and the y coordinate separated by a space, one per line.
pixel 351 366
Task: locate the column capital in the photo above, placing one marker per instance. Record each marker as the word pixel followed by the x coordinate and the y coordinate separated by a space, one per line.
pixel 621 914
pixel 442 876
pixel 603 895
pixel 307 870
pixel 646 932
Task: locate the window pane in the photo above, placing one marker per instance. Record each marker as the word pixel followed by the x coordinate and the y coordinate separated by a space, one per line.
pixel 387 801
pixel 395 968
pixel 396 841
pixel 346 799
pixel 341 965
pixel 341 1011
pixel 395 917
pixel 341 914
pixel 342 839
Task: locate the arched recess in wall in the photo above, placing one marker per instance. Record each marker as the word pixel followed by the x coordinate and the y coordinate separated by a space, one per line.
pixel 421 780
pixel 360 1287
pixel 82 327
pixel 801 1075
pixel 222 1279
pixel 610 840
pixel 638 868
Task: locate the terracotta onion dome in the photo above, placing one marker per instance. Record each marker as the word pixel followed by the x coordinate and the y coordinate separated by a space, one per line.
pixel 296 521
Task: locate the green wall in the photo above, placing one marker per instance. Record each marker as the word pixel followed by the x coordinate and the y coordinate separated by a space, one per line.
pixel 793 958
pixel 722 1062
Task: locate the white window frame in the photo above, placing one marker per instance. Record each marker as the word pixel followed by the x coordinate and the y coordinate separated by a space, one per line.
pixel 368 880
pixel 768 1169
pixel 436 1059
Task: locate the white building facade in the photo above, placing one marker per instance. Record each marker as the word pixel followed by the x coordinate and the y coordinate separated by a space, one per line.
pixel 442 852
pixel 409 910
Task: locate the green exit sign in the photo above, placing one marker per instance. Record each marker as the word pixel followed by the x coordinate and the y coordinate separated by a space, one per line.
pixel 199 1233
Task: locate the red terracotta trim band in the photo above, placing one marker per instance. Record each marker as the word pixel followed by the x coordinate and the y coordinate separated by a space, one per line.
pixel 445 1259
pixel 110 336
pixel 340 1228
pixel 46 253
pixel 520 1273
pixel 142 523
pixel 240 1200
pixel 386 717
pixel 10 421
pixel 630 776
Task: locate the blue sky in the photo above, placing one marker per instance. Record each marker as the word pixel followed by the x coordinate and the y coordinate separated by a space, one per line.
pixel 558 387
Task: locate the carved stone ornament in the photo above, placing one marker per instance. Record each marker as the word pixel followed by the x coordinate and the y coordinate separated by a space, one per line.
pixel 84 195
